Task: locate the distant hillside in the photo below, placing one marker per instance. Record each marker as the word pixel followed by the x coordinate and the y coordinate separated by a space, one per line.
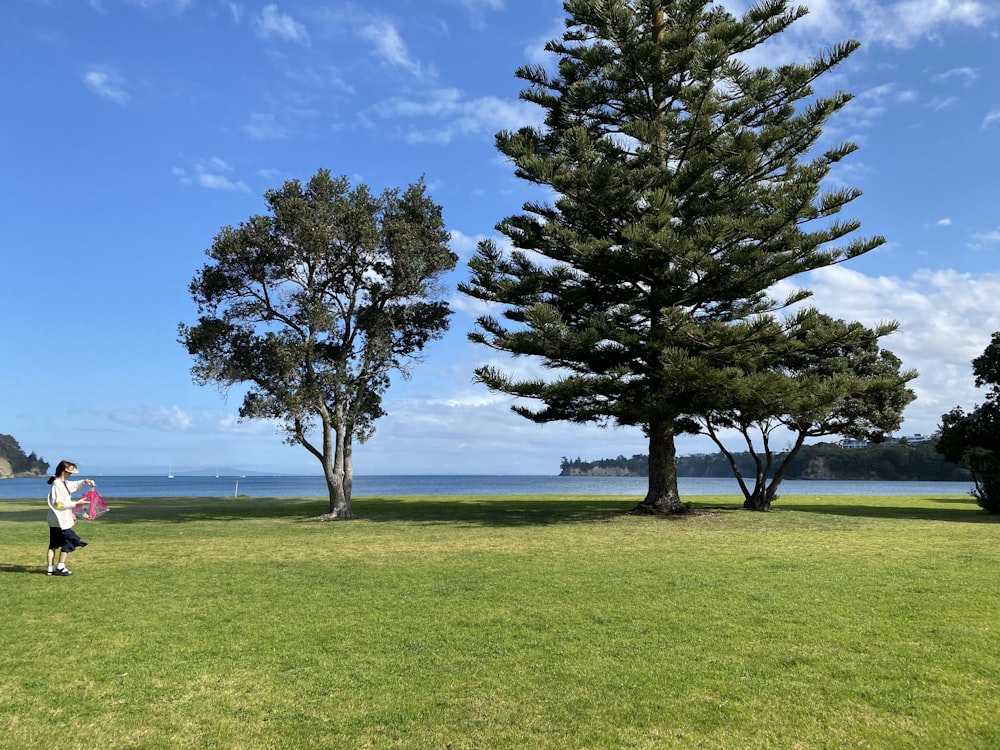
pixel 886 463
pixel 14 463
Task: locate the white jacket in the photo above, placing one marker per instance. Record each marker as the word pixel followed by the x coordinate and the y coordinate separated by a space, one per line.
pixel 61 503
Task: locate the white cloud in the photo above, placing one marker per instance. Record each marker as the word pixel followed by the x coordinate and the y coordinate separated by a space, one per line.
pixel 219 164
pixel 535 51
pixel 872 103
pixel 943 222
pixel 473 399
pixel 175 5
pixel 464 245
pixel 968 75
pixel 991 236
pixel 476 10
pixel 271 174
pixel 273 24
pixel 992 118
pixel 440 422
pixel 221 182
pixel 825 16
pixel 453 115
pixel 902 24
pixel 473 430
pixel 106 82
pixel 176 419
pixel 264 127
pixel 477 5
pixel 946 320
pixel 938 103
pixel 160 418
pixel 390 45
pixel 210 174
pixel 231 423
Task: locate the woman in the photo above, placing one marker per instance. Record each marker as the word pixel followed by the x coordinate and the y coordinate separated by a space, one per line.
pixel 61 518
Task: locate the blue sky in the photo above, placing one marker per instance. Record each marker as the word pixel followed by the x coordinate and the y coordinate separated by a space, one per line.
pixel 134 130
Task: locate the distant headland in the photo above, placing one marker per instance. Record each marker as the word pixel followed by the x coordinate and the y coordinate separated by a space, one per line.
pixel 15 464
pixel 848 461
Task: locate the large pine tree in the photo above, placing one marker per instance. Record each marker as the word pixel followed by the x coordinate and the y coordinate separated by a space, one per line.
pixel 681 183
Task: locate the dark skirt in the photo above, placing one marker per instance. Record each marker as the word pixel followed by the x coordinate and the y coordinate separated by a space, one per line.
pixel 66 540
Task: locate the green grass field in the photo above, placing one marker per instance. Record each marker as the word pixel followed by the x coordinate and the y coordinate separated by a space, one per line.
pixel 514 622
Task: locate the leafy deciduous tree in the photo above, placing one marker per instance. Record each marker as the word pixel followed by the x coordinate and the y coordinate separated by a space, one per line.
pixel 832 379
pixel 683 180
pixel 314 305
pixel 974 437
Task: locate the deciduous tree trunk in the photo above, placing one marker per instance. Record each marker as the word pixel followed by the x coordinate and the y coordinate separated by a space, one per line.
pixel 340 500
pixel 338 470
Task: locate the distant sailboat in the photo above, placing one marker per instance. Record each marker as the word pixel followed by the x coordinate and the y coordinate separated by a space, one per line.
pixel 170 473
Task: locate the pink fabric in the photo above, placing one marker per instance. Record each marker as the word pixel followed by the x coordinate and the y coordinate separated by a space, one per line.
pixel 91 506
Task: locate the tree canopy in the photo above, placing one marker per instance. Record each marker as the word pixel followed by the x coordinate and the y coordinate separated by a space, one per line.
pixel 830 378
pixel 974 437
pixel 314 305
pixel 681 185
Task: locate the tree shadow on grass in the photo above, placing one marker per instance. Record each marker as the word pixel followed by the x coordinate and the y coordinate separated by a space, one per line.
pixel 39 569
pixel 179 510
pixel 496 510
pixel 954 500
pixel 968 514
pixel 500 510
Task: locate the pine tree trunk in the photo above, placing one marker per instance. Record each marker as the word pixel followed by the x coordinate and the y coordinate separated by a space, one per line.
pixel 662 497
pixel 759 500
pixel 779 475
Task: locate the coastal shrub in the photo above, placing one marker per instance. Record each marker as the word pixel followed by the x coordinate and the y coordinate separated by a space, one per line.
pixel 986 475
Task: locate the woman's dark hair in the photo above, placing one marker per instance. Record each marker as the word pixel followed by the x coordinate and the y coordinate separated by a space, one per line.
pixel 60 468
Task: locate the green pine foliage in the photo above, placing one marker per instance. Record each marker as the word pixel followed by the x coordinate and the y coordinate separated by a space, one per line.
pixel 679 184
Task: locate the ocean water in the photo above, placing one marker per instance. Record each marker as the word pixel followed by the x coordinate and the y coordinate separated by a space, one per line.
pixel 315 486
